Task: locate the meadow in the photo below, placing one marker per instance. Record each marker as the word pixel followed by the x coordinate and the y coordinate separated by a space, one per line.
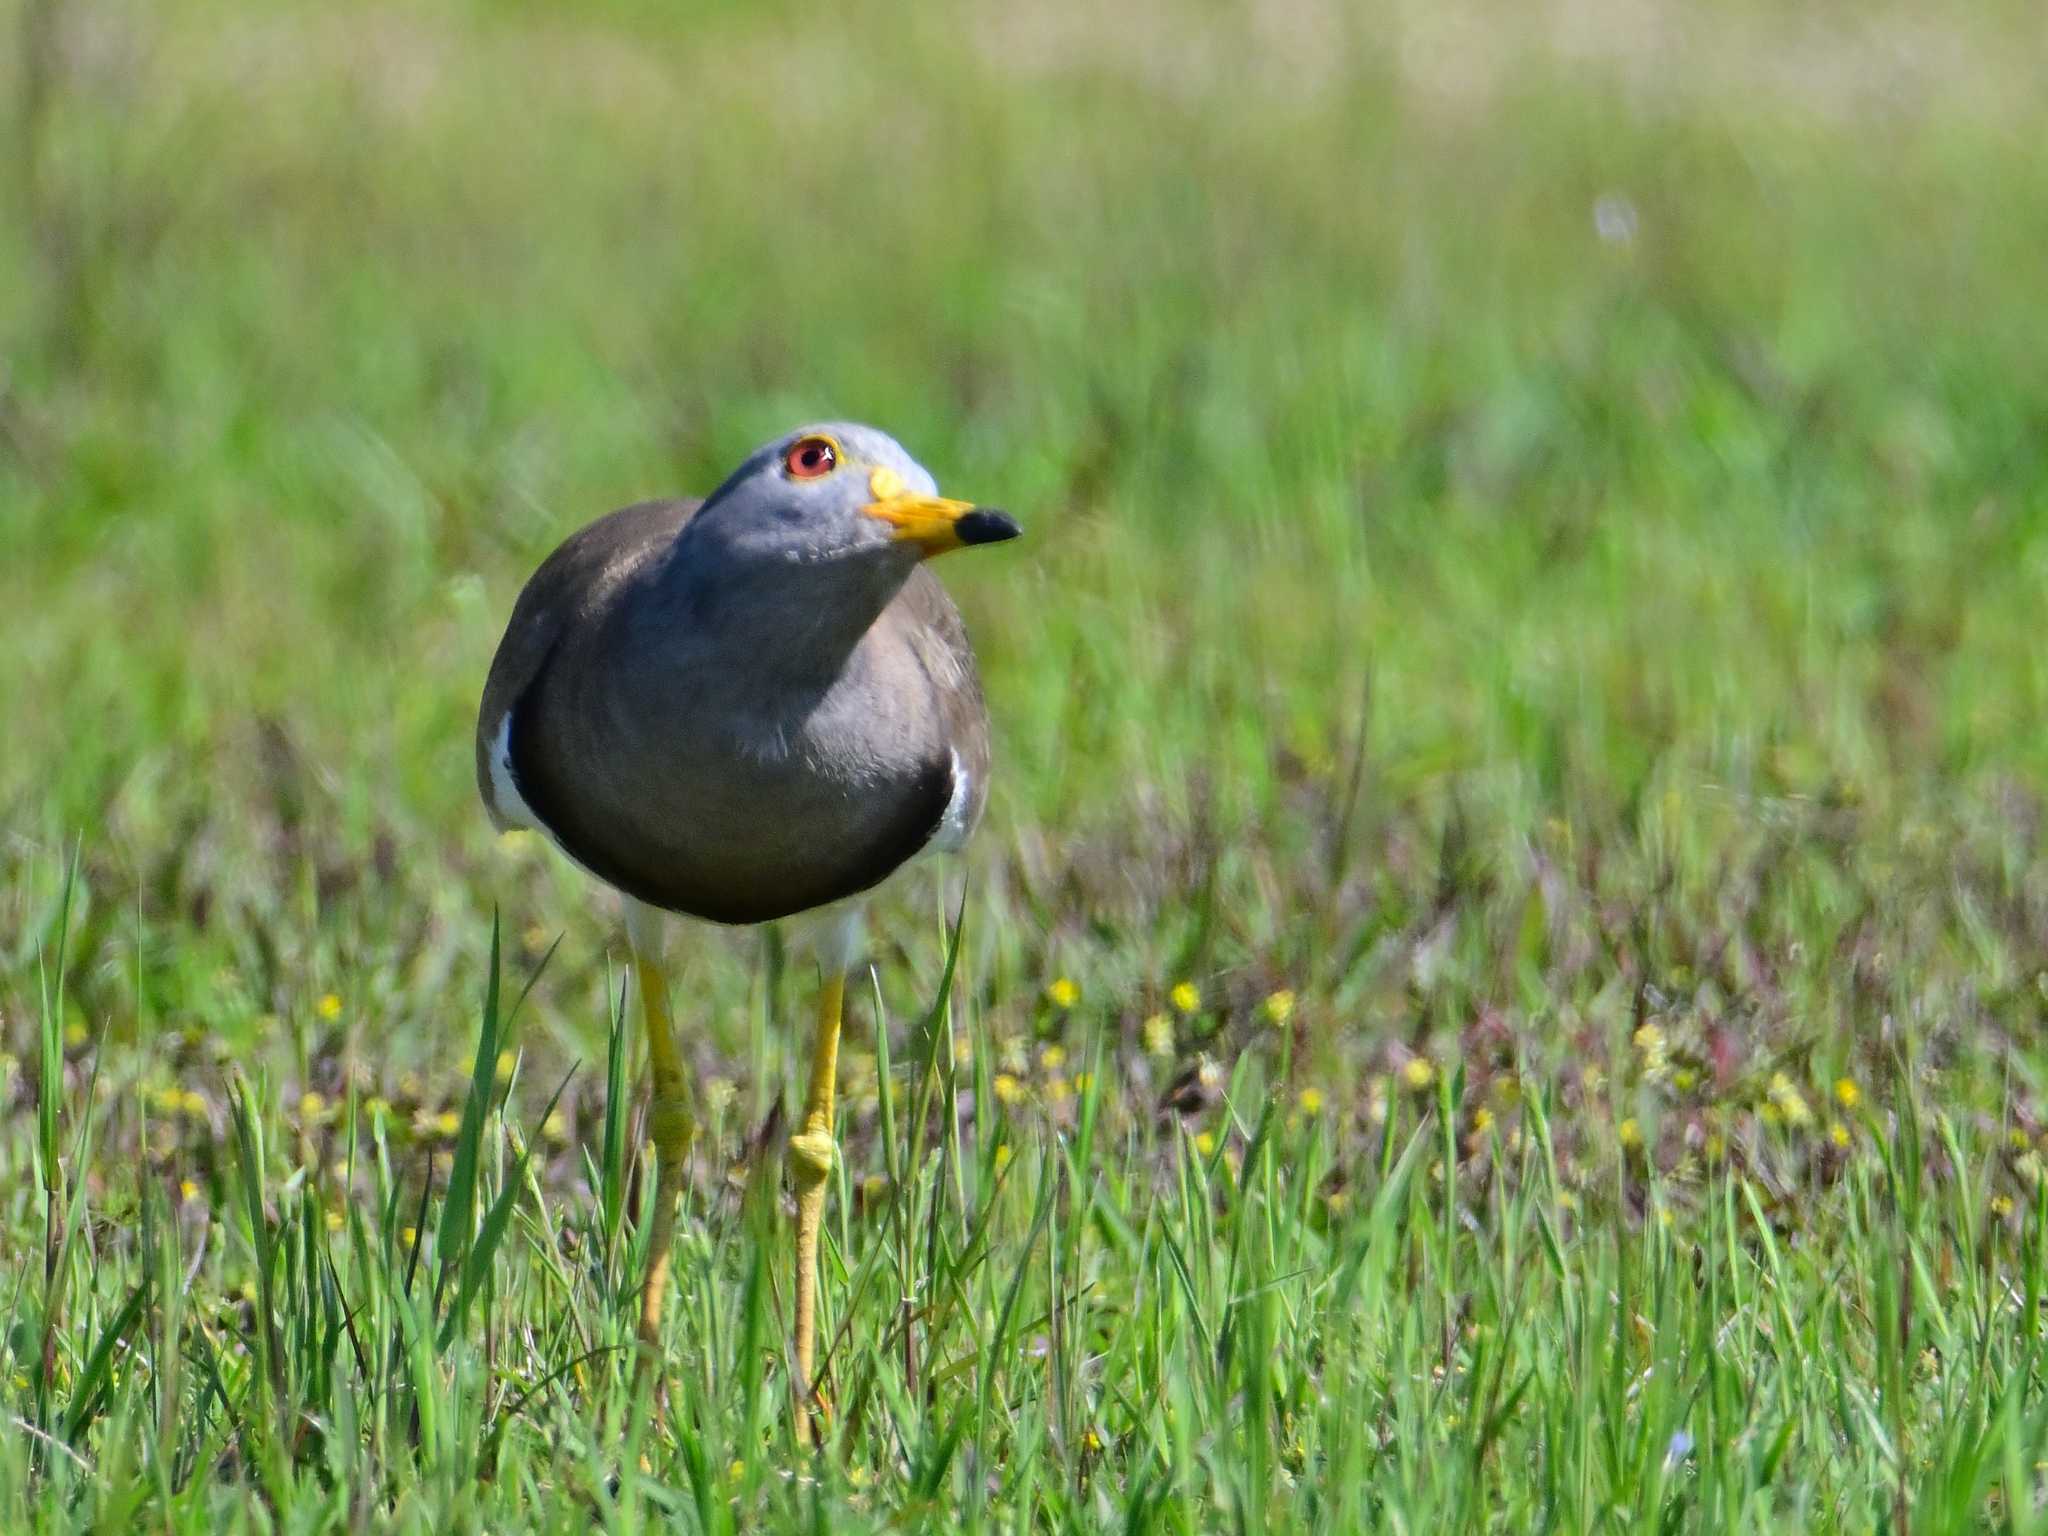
pixel 1502 987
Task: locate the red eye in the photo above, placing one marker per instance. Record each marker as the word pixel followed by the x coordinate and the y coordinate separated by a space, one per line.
pixel 810 457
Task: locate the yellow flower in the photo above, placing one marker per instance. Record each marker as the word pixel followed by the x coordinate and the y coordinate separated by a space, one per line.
pixel 187 1190
pixel 1656 1054
pixel 556 1127
pixel 1418 1072
pixel 312 1107
pixel 2001 1206
pixel 1002 1157
pixel 1482 1120
pixel 1311 1101
pixel 1205 1142
pixel 334 1221
pixel 447 1123
pixel 409 1236
pixel 329 1006
pixel 377 1106
pixel 75 1034
pixel 1092 1440
pixel 1789 1101
pixel 1279 1007
pixel 1058 1089
pixel 2017 1139
pixel 1838 1133
pixel 1683 1079
pixel 1186 996
pixel 1053 1057
pixel 1082 1081
pixel 1158 1035
pixel 1008 1089
pixel 1063 993
pixel 179 1101
pixel 1847 1094
pixel 1629 1133
pixel 736 1471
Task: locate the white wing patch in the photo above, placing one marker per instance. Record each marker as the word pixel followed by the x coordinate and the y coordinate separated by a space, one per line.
pixel 508 807
pixel 953 825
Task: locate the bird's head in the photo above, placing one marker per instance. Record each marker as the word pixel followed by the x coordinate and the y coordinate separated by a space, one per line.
pixel 842 494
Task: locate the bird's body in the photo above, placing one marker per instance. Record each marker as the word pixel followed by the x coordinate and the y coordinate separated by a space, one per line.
pixel 615 722
pixel 743 709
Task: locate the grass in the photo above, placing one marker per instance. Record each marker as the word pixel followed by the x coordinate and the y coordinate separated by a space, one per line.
pixel 1503 985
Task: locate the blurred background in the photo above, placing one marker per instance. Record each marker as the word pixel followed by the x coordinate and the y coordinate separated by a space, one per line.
pixel 1477 461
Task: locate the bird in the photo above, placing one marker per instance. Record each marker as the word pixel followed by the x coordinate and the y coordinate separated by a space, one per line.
pixel 753 707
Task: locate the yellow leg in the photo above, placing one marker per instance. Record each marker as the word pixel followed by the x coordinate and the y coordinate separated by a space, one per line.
pixel 670 1125
pixel 810 1155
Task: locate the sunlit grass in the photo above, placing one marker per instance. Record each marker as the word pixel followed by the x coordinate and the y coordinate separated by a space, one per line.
pixel 1459 1297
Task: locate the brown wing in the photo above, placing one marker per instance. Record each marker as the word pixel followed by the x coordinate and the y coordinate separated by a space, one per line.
pixel 572 584
pixel 939 639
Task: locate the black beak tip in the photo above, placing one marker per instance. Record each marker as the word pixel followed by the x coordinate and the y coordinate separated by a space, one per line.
pixel 986 525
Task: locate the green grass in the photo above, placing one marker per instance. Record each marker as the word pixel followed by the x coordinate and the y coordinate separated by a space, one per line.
pixel 1537 527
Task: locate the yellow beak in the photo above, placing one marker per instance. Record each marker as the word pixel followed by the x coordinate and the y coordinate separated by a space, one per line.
pixel 935 524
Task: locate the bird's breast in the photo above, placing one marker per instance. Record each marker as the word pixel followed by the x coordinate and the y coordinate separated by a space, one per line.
pixel 725 799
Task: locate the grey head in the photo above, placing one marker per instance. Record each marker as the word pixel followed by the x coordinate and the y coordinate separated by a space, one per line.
pixel 840 494
pixel 798 553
